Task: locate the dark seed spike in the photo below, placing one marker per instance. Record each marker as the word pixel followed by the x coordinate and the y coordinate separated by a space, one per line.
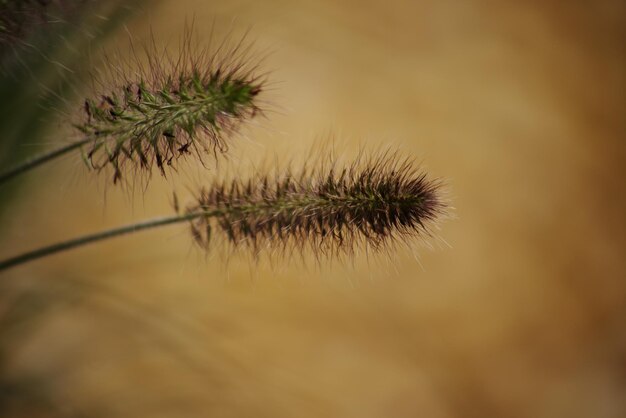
pixel 331 210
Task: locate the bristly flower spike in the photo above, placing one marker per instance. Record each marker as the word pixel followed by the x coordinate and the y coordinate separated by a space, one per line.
pixel 190 103
pixel 163 106
pixel 374 203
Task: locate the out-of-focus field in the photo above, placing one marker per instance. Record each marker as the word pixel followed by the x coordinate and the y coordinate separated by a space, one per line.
pixel 519 105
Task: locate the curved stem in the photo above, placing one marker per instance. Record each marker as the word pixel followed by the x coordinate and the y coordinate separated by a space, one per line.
pixel 98 236
pixel 40 159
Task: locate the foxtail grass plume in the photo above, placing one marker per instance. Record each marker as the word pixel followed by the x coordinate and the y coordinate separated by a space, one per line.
pixel 190 102
pixel 375 202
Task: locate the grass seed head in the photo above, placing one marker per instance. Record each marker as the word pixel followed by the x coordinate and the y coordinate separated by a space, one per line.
pixel 374 202
pixel 176 105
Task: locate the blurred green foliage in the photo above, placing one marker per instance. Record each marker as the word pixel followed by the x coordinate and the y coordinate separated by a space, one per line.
pixel 44 60
pixel 41 71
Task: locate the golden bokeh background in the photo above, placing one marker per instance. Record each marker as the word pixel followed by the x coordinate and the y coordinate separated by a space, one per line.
pixel 519 105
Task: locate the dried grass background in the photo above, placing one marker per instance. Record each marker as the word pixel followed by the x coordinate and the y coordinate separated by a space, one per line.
pixel 519 104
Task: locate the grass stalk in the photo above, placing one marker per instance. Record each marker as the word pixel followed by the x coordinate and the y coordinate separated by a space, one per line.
pixel 96 237
pixel 374 202
pixel 39 160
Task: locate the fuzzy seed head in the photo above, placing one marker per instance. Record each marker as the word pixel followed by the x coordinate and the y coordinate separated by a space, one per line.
pixel 375 203
pixel 175 107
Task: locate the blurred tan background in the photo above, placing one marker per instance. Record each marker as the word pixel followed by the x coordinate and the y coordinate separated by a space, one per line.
pixel 519 105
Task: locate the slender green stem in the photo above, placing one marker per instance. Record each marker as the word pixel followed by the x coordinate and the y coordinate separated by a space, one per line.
pixel 40 159
pixel 99 236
